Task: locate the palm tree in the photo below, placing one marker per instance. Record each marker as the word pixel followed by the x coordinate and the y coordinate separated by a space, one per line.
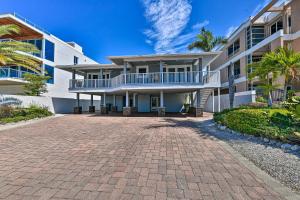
pixel 266 71
pixel 15 53
pixel 287 63
pixel 206 41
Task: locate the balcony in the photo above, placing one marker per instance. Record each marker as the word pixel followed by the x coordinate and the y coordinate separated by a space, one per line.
pixel 11 76
pixel 148 81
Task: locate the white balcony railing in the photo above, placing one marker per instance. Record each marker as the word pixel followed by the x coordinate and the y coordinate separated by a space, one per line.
pixel 150 79
pixel 6 72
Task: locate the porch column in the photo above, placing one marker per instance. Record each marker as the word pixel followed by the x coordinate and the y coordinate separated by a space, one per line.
pixel 127 110
pixel 114 106
pixel 198 109
pixel 200 70
pixel 104 99
pixel 73 78
pixel 92 107
pixel 114 100
pixel 101 74
pixel 161 110
pixel 134 107
pixel 78 99
pixel 219 100
pixel 127 99
pixel 74 74
pixel 125 72
pixel 192 99
pixel 161 70
pixel 78 108
pixel 213 100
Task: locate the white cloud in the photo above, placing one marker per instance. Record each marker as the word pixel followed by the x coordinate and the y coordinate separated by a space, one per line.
pixel 201 24
pixel 230 30
pixel 168 19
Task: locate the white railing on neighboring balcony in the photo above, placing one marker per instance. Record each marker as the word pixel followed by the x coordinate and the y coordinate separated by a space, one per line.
pixel 158 78
pixel 6 72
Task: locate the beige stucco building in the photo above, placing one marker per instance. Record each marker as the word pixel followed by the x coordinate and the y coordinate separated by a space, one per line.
pixel 276 25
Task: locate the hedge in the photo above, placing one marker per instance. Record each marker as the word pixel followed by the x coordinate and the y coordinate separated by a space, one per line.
pixel 272 123
pixel 10 114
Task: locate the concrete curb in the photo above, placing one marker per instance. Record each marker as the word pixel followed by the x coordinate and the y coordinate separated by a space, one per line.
pixel 24 123
pixel 275 185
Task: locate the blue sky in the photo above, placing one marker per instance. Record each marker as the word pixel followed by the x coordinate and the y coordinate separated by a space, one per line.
pixel 132 27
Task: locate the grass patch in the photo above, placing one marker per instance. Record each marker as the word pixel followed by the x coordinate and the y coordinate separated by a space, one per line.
pixel 279 124
pixel 10 114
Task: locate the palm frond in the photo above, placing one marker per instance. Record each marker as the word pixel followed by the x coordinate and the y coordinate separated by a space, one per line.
pixel 9 29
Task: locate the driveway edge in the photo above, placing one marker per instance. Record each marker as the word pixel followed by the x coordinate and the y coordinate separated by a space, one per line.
pixel 284 191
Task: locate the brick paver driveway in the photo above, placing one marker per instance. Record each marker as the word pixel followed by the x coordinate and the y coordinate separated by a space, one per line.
pixel 88 157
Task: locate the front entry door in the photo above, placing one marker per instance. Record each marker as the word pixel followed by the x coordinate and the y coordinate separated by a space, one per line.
pixel 155 103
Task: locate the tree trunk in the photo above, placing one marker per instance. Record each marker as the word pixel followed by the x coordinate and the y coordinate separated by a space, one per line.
pixel 231 85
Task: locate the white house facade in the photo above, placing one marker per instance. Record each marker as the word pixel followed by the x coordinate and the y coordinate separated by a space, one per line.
pixel 53 51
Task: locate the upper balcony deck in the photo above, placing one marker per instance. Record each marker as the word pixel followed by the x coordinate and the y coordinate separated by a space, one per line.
pixel 148 81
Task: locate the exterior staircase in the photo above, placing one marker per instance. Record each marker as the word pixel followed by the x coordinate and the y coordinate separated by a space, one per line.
pixel 204 95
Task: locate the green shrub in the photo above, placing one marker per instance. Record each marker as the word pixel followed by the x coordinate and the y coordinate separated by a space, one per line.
pixel 22 114
pixel 6 111
pixel 261 100
pixel 271 123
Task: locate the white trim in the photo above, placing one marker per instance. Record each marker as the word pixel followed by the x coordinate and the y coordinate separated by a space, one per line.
pixel 142 67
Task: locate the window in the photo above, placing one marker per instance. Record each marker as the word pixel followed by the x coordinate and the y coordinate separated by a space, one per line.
pixel 142 69
pixel 276 27
pixel 234 48
pixel 76 60
pixel 49 50
pixel 237 69
pixel 255 34
pixel 38 44
pixel 49 71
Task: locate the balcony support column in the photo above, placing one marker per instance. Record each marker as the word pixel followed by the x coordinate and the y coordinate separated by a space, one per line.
pixel 125 71
pixel 134 107
pixel 198 110
pixel 103 108
pixel 161 70
pixel 92 108
pixel 114 107
pixel 200 70
pixel 127 110
pixel 78 108
pixel 213 100
pixel 219 100
pixel 161 110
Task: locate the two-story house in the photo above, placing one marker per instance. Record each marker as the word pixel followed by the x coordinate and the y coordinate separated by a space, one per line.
pixel 276 25
pixel 148 83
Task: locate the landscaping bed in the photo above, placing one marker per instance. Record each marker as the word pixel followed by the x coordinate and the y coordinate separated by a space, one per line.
pixel 273 123
pixel 9 114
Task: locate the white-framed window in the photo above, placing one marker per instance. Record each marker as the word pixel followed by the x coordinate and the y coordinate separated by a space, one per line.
pixel 142 69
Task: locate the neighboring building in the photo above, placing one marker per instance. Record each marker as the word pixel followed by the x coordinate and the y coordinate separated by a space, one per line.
pixel 148 83
pixel 276 25
pixel 53 51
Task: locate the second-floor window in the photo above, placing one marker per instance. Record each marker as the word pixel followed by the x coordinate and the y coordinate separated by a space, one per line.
pixel 236 70
pixel 276 27
pixel 76 60
pixel 255 34
pixel 234 48
pixel 49 50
